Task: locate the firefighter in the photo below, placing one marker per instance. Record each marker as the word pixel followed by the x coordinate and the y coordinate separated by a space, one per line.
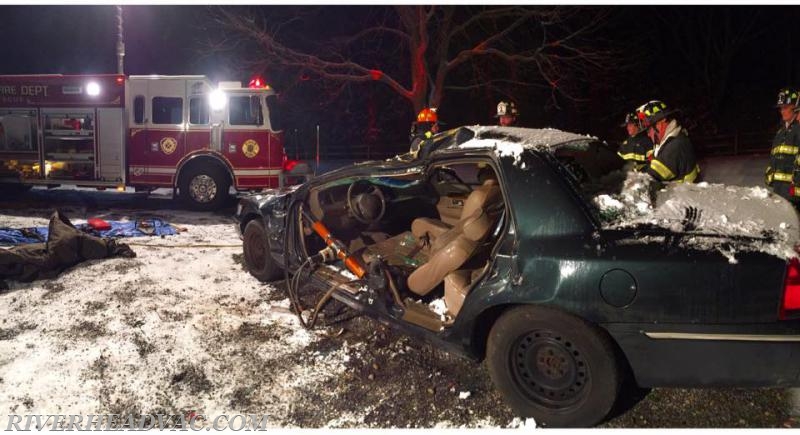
pixel 782 162
pixel 507 113
pixel 673 154
pixel 426 125
pixel 637 149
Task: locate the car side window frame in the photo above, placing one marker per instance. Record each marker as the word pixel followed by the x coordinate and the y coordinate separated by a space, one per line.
pixel 507 218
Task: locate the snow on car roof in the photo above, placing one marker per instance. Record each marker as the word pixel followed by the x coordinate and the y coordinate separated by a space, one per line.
pixel 512 141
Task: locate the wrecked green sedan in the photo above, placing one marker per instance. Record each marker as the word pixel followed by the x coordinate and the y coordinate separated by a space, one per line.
pixel 576 282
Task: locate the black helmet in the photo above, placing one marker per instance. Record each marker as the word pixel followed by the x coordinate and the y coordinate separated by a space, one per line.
pixel 786 96
pixel 632 118
pixel 653 111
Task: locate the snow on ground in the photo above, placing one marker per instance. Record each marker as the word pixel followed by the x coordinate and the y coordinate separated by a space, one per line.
pixel 173 329
pixel 185 329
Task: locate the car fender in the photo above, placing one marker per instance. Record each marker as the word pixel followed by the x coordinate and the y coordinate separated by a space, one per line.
pixel 500 290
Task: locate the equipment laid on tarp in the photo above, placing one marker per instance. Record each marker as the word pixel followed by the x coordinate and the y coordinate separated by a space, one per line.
pixel 66 246
pixel 95 227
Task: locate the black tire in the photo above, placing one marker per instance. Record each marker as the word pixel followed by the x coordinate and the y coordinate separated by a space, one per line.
pixel 553 367
pixel 204 187
pixel 257 258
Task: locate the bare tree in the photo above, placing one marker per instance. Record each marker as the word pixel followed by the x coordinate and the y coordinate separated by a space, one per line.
pixel 708 40
pixel 419 52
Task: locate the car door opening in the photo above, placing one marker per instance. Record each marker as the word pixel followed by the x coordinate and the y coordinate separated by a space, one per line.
pixel 410 244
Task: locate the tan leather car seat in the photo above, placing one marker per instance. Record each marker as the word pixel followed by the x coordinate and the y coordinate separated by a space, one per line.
pixel 450 251
pixel 483 196
pixel 456 287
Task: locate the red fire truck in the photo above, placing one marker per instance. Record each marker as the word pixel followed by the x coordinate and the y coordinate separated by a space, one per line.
pixel 145 132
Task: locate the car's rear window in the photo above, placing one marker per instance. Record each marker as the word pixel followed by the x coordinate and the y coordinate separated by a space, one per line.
pixel 592 169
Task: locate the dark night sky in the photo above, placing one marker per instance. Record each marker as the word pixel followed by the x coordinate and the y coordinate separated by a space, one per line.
pixel 82 39
pixel 167 40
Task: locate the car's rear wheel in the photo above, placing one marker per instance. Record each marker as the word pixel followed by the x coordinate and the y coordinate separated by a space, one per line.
pixel 257 258
pixel 553 367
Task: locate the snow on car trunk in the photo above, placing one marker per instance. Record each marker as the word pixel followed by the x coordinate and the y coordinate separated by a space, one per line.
pixel 756 218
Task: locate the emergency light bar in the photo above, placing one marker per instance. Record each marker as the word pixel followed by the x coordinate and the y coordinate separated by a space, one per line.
pixel 258 83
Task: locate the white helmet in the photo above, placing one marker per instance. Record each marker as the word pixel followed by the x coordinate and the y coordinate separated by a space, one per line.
pixel 505 108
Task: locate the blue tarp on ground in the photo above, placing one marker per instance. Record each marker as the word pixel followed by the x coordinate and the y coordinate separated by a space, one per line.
pixel 138 228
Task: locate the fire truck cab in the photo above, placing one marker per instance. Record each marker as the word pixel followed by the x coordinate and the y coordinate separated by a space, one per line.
pixel 145 132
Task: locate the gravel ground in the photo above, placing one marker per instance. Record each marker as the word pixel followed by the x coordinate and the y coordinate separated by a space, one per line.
pixel 188 330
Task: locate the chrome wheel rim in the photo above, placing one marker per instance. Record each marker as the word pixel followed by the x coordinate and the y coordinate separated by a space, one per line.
pixel 203 188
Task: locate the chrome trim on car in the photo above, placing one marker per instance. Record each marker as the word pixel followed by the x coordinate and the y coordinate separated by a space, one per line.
pixel 721 337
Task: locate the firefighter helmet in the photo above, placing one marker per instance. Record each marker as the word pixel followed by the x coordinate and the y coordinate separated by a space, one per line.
pixel 786 96
pixel 632 118
pixel 506 108
pixel 652 112
pixel 427 114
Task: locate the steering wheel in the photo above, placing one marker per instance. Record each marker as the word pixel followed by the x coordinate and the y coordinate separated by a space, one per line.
pixel 362 198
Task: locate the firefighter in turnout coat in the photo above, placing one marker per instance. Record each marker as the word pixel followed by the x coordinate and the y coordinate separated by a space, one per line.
pixel 673 154
pixel 782 167
pixel 424 128
pixel 637 149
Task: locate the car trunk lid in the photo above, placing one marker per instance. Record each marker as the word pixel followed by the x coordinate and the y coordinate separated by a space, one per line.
pixel 746 218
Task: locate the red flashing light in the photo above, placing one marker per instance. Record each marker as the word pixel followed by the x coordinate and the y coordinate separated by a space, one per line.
pixel 288 165
pixel 120 80
pixel 791 288
pixel 375 74
pixel 258 83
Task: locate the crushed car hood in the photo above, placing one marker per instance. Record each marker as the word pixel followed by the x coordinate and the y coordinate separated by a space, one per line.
pixel 269 195
pixel 755 217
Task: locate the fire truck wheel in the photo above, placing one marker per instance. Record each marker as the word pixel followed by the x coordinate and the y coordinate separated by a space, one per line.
pixel 204 188
pixel 259 262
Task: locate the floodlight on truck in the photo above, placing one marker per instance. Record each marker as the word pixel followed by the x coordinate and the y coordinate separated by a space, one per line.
pixel 93 89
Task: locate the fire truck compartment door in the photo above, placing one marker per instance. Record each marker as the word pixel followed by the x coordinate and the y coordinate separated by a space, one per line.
pixel 111 143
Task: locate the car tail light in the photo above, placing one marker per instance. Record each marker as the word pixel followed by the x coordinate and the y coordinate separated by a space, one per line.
pixel 288 165
pixel 791 289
